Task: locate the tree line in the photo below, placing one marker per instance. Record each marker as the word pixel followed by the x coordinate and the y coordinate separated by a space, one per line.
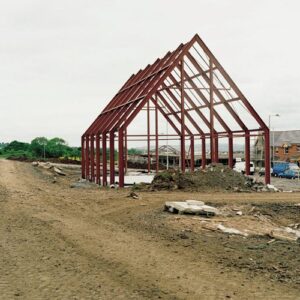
pixel 40 148
pixel 43 148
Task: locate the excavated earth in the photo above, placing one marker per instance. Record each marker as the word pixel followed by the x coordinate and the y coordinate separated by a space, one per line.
pixel 58 242
pixel 213 178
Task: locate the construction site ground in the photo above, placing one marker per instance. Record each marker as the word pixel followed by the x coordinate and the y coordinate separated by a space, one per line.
pixel 58 242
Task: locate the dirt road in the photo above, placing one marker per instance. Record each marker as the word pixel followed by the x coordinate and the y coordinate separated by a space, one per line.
pixel 63 243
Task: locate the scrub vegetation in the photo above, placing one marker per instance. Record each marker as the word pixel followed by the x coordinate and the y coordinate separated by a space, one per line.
pixel 39 148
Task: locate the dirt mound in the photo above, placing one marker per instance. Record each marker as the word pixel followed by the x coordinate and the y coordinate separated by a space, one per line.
pixel 165 181
pixel 22 158
pixel 217 177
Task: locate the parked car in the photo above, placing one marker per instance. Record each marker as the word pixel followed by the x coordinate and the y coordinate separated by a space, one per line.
pixel 280 167
pixel 290 174
pixel 262 171
pixel 240 166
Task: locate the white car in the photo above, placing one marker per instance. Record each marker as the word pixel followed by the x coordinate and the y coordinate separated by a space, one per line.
pixel 240 166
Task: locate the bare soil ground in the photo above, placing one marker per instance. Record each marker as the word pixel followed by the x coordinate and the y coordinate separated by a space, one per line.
pixel 63 243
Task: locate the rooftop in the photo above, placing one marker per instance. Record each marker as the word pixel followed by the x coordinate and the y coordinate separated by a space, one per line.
pixel 285 137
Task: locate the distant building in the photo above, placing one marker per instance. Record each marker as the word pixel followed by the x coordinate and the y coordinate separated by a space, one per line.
pixel 285 146
pixel 170 156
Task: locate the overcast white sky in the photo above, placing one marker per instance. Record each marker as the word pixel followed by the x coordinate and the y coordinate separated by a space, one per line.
pixel 62 61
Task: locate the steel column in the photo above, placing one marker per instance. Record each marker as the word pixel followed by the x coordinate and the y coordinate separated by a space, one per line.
pixel 121 157
pixel 92 158
pixel 148 136
pixel 82 158
pixel 247 153
pixel 211 107
pixel 112 157
pixel 87 159
pixel 98 181
pixel 216 148
pixel 203 160
pixel 156 136
pixel 104 160
pixel 267 157
pixel 125 151
pixel 230 151
pixel 182 152
pixel 155 102
pixel 192 153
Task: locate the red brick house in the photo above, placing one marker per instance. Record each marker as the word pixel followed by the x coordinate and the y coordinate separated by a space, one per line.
pixel 285 146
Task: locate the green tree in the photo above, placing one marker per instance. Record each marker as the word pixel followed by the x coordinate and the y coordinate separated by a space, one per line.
pixel 57 147
pixel 38 146
pixel 3 145
pixel 134 151
pixel 17 146
pixel 75 152
pixel 17 149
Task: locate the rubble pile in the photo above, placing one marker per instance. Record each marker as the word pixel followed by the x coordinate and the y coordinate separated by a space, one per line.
pixel 256 186
pixel 245 220
pixel 164 181
pixel 191 207
pixel 49 166
pixel 214 177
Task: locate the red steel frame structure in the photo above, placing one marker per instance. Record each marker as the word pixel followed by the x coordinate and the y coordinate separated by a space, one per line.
pixel 187 87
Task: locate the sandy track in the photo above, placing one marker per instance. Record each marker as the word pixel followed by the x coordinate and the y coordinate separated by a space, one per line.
pixel 61 243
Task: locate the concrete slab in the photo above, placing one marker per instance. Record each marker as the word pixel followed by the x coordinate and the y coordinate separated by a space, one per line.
pixel 191 207
pixel 135 179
